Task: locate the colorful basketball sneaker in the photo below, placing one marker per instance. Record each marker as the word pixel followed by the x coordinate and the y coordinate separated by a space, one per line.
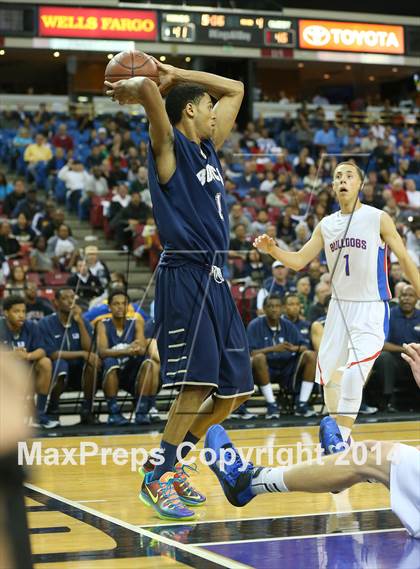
pixel 185 491
pixel 330 437
pixel 188 494
pixel 235 478
pixel 162 496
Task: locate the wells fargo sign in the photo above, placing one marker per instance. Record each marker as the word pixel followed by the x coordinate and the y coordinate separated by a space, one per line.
pixel 350 36
pixel 97 23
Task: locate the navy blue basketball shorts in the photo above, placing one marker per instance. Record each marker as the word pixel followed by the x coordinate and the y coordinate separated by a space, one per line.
pixel 201 337
pixel 127 370
pixel 285 374
pixel 72 370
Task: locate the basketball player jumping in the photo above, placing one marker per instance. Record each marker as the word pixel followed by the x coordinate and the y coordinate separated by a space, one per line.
pixel 355 240
pixel 201 338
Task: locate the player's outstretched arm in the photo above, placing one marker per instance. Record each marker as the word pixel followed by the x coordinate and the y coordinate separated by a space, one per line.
pixel 228 92
pixel 392 238
pixel 144 91
pixel 294 260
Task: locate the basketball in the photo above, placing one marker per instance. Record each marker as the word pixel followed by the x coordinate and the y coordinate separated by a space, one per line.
pixel 128 64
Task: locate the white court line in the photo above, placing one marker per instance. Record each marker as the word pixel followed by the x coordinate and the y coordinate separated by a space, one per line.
pixel 290 537
pixel 192 549
pixel 90 501
pixel 309 514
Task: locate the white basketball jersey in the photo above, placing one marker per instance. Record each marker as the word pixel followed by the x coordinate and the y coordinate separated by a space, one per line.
pixel 356 255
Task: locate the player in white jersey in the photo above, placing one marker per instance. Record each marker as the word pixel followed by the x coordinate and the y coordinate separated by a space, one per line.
pixel 355 241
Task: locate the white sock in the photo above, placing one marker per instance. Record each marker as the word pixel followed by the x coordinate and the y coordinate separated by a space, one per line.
pixel 345 432
pixel 306 390
pixel 269 480
pixel 267 391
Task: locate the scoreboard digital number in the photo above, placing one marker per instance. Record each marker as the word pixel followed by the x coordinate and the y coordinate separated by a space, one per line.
pixel 17 20
pixel 231 29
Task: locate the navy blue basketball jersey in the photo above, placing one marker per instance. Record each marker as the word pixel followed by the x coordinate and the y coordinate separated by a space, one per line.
pixel 190 210
pixel 120 340
pixel 28 336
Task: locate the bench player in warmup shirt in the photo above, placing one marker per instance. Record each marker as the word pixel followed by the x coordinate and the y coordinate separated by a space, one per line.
pixel 355 241
pixel 122 347
pixel 394 464
pixel 201 338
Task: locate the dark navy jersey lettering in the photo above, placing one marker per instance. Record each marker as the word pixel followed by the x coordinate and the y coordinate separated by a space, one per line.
pixel 120 340
pixel 28 336
pixel 190 210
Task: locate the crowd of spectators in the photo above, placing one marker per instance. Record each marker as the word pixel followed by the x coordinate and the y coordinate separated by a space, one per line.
pixel 278 176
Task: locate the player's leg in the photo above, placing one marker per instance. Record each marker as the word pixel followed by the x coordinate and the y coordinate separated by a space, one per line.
pixel 88 373
pixel 147 385
pixel 241 482
pixel 110 386
pixel 306 372
pixel 261 375
pixel 60 371
pixel 43 378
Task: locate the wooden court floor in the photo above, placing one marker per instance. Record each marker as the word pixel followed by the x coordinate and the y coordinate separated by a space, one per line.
pixel 89 516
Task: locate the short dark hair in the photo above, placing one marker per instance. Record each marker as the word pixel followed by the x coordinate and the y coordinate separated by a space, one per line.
pixel 272 297
pixel 12 301
pixel 60 290
pixel 118 292
pixel 179 97
pixel 290 295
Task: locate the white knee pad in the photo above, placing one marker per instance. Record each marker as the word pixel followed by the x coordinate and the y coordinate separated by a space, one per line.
pixel 352 384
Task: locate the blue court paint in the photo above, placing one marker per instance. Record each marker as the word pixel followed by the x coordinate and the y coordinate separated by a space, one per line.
pixel 384 550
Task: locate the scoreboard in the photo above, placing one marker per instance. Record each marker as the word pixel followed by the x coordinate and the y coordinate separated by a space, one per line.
pixel 223 28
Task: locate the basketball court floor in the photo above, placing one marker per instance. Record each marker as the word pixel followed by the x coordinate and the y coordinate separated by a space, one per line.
pixel 89 516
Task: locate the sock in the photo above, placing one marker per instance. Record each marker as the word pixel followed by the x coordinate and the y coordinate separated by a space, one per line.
pixel 169 457
pixel 345 432
pixel 189 438
pixel 268 480
pixel 267 391
pixel 41 403
pixel 305 391
pixel 144 404
pixel 112 405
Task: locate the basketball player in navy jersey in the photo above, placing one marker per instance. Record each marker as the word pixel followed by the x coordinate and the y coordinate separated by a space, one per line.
pixel 122 346
pixel 202 341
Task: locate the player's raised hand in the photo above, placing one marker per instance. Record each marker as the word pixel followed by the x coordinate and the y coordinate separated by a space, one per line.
pixel 126 91
pixel 265 244
pixel 167 76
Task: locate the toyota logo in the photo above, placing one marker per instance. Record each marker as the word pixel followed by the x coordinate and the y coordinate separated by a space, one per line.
pixel 316 35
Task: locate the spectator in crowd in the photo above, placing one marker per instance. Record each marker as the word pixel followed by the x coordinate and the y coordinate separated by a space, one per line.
pixel 128 219
pixel 372 199
pixel 285 226
pixel 22 230
pixel 29 205
pixel 240 244
pixel 152 245
pixel 96 266
pixel 37 308
pixel 277 198
pixel 13 198
pixel 404 328
pixel 86 285
pixel 395 276
pixel 279 353
pixel 413 196
pixel 40 261
pixel 46 222
pixel 37 157
pixel 279 283
pixel 120 200
pixel 23 336
pixel 269 182
pixel 325 137
pixel 122 346
pixel 68 338
pixel 62 139
pixel 260 224
pixel 303 289
pixel 76 180
pixel 63 248
pixel 368 143
pixel 96 157
pixel 16 283
pixel 6 187
pixel 237 216
pixel 302 236
pixel 320 306
pixel 96 186
pixel 8 243
pixel 302 163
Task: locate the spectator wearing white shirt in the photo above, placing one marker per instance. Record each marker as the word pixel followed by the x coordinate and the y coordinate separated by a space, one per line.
pixel 413 195
pixel 268 183
pixel 378 130
pixel 120 200
pixel 76 180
